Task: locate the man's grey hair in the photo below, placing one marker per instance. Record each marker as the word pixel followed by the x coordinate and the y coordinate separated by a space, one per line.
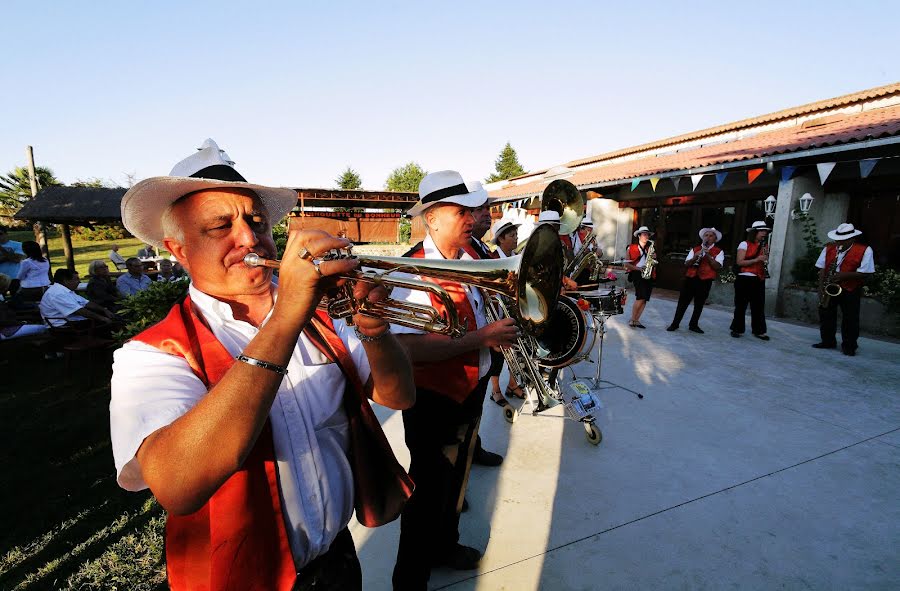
pixel 169 221
pixel 96 264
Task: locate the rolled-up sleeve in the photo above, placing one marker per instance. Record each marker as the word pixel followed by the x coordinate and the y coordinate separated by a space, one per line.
pixel 150 389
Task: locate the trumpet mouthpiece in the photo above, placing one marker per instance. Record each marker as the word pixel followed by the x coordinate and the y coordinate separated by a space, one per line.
pixel 254 260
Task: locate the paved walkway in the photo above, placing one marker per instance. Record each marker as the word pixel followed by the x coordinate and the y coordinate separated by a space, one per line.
pixel 748 465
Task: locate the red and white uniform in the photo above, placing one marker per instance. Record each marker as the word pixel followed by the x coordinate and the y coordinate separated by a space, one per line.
pixel 757 269
pixel 858 257
pixel 704 270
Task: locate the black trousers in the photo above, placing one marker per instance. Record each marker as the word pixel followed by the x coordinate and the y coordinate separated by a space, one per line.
pixel 440 435
pixel 695 289
pixel 336 570
pixel 848 302
pixel 752 291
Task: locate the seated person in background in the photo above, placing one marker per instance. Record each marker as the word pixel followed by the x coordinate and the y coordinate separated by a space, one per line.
pixel 34 272
pixel 148 252
pixel 100 288
pixel 117 259
pixel 10 326
pixel 166 271
pixel 134 280
pixel 61 304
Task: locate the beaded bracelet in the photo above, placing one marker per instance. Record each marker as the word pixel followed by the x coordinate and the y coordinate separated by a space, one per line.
pixel 368 339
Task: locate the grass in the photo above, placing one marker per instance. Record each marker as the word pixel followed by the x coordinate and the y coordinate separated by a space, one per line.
pixel 66 523
pixel 85 250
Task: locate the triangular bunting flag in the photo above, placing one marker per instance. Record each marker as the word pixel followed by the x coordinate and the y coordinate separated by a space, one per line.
pixel 753 174
pixel 825 169
pixel 787 172
pixel 695 180
pixel 635 183
pixel 866 166
pixel 675 181
pixel 654 180
pixel 720 179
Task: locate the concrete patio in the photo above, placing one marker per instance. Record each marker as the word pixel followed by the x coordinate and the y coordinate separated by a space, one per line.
pixel 748 465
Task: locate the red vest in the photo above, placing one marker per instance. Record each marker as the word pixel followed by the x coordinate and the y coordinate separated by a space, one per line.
pixel 758 268
pixel 634 255
pixel 238 539
pixel 456 377
pixel 704 269
pixel 475 248
pixel 852 260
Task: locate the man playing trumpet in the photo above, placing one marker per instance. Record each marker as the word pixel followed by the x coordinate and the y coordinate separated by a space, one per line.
pixel 237 409
pixel 703 263
pixel 451 379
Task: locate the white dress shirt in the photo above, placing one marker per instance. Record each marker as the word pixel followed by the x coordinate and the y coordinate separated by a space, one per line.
pixel 59 304
pixel 150 389
pixel 867 265
pixel 418 296
pixel 34 273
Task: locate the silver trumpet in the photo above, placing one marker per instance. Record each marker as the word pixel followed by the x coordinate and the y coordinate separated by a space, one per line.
pixel 531 282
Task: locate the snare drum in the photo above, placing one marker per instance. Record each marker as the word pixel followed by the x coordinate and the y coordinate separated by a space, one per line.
pixel 607 302
pixel 569 335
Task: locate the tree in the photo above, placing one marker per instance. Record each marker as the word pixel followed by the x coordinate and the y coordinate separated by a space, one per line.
pixel 405 178
pixel 15 186
pixel 507 165
pixel 349 179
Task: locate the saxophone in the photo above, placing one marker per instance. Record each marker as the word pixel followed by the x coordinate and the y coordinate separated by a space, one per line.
pixel 586 258
pixel 647 272
pixel 764 248
pixel 832 289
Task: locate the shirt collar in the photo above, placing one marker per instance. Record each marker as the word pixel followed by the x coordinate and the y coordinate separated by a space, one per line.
pixel 431 250
pixel 217 311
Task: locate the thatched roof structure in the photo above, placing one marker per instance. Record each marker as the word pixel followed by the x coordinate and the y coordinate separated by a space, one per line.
pixel 76 206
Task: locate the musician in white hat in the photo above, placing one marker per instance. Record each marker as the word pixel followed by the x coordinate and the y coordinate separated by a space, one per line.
pixel 552 218
pixel 451 376
pixel 259 472
pixel 703 263
pixel 637 256
pixel 847 264
pixel 581 240
pixel 750 284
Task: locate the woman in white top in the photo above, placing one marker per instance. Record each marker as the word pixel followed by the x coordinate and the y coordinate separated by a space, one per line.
pixel 750 284
pixel 34 272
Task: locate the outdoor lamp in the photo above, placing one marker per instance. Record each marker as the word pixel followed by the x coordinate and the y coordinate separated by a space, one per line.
pixel 805 203
pixel 769 204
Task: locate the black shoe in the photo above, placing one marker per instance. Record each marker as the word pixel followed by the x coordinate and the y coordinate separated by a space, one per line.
pixel 672 328
pixel 483 457
pixel 849 352
pixel 696 329
pixel 762 337
pixel 825 346
pixel 465 506
pixel 459 558
pixel 736 335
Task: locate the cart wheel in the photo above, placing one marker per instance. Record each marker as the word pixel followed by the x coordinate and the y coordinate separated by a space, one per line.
pixel 510 414
pixel 593 433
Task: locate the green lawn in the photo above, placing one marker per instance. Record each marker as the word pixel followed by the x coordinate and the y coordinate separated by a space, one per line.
pixel 66 523
pixel 85 250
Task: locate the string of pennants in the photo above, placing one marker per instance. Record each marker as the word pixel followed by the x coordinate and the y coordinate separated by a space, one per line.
pixel 824 169
pixel 866 165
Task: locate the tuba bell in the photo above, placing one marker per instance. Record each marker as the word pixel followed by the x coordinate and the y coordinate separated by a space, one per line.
pixel 565 199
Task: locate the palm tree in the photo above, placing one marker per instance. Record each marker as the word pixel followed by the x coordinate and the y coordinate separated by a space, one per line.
pixel 15 186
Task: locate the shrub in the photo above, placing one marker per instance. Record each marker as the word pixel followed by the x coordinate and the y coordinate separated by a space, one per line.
pixel 101 232
pixel 885 286
pixel 147 307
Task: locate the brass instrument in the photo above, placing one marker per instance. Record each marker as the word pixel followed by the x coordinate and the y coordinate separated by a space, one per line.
pixel 647 271
pixel 565 199
pixel 764 249
pixel 704 249
pixel 530 281
pixel 831 289
pixel 585 258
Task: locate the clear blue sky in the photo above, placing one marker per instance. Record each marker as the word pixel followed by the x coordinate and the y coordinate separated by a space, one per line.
pixel 296 91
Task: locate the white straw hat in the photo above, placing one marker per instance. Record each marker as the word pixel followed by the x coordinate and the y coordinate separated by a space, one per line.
pixel 210 168
pixel 759 225
pixel 447 186
pixel 587 221
pixel 501 226
pixel 641 230
pixel 705 230
pixel 843 232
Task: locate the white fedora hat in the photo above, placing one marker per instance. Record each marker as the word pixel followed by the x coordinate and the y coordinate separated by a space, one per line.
pixel 641 230
pixel 587 221
pixel 209 168
pixel 759 225
pixel 843 232
pixel 447 186
pixel 501 226
pixel 705 230
pixel 548 217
